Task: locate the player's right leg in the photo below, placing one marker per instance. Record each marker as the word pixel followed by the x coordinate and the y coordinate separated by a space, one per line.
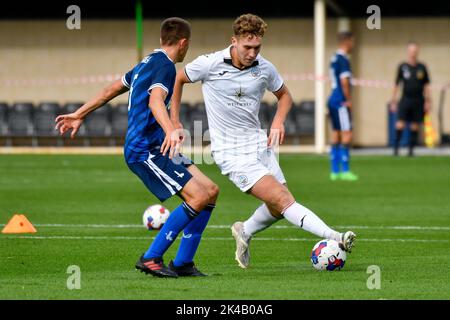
pixel 164 179
pixel 400 125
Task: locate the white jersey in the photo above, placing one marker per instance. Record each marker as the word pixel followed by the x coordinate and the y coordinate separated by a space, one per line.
pixel 232 99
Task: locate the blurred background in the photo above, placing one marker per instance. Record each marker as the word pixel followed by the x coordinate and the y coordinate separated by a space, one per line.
pixel 48 69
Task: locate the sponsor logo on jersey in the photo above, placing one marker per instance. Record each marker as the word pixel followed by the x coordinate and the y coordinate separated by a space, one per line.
pixel 239 94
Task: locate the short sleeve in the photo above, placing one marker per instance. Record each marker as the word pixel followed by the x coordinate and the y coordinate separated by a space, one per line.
pixel 126 78
pixel 198 69
pixel 163 78
pixel 398 78
pixel 344 66
pixel 274 81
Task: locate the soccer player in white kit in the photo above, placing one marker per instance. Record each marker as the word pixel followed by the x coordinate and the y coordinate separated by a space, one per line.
pixel 234 81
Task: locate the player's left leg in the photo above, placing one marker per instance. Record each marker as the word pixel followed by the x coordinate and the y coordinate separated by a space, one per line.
pixel 183 264
pixel 346 140
pixel 335 157
pixel 279 203
pixel 282 201
pixel 413 137
pixel 417 115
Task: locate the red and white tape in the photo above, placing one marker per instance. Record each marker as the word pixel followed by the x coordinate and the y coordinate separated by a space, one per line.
pixel 94 79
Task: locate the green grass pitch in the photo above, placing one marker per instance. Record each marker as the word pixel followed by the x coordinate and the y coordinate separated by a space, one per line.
pixel 400 210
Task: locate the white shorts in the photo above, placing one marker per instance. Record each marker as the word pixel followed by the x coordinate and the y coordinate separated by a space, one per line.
pixel 245 170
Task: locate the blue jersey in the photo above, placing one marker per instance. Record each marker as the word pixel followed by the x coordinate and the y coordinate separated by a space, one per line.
pixel 144 132
pixel 339 68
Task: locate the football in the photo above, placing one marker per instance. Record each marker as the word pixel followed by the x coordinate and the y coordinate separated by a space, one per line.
pixel 328 255
pixel 155 216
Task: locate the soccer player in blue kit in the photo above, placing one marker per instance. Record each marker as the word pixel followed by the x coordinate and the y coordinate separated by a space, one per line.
pixel 339 107
pixel 152 150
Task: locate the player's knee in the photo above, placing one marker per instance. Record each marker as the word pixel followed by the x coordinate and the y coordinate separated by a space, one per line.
pixel 400 125
pixel 282 200
pixel 347 137
pixel 198 197
pixel 213 191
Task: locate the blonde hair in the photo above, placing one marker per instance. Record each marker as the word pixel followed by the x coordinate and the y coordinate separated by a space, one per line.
pixel 249 24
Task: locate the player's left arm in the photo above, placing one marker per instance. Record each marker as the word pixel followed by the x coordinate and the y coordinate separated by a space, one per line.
pixel 345 74
pixel 277 131
pixel 346 85
pixel 427 92
pixel 156 104
pixel 175 105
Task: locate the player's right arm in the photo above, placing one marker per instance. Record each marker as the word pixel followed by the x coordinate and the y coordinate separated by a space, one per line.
pixel 394 102
pixel 73 121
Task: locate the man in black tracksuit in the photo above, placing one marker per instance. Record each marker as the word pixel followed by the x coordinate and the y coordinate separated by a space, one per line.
pixel 415 100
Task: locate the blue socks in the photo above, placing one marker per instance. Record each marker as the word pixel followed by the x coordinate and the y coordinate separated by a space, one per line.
pixel 178 220
pixel 345 157
pixel 335 158
pixel 340 158
pixel 192 235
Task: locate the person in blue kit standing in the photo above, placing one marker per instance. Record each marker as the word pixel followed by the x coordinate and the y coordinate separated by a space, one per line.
pixel 152 150
pixel 340 109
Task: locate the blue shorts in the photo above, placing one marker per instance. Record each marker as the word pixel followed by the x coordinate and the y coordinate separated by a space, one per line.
pixel 162 176
pixel 341 118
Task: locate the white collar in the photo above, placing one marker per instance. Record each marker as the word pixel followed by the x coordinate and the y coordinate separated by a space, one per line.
pixel 163 51
pixel 227 54
pixel 341 52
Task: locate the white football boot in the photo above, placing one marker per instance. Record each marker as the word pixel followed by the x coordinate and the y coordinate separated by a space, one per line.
pixel 242 254
pixel 348 240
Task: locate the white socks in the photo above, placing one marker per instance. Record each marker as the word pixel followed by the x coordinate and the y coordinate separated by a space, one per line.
pixel 307 220
pixel 259 220
pixel 296 214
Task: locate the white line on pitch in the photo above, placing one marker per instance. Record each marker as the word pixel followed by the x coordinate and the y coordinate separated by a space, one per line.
pixel 210 238
pixel 124 226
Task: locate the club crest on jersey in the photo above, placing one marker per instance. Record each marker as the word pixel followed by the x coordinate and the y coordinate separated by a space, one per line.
pixel 420 74
pixel 255 72
pixel 243 180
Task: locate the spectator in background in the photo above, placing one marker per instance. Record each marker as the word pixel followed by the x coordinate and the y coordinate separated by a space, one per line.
pixel 416 97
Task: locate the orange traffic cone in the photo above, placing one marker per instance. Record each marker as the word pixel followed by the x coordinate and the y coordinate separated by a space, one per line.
pixel 19 224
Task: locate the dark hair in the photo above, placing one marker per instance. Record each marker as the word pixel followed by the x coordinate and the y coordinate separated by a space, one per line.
pixel 249 24
pixel 344 35
pixel 174 29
